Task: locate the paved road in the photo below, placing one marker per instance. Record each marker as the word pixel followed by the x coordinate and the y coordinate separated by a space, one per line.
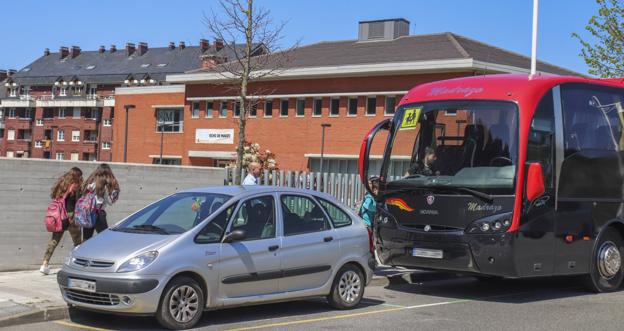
pixel 432 302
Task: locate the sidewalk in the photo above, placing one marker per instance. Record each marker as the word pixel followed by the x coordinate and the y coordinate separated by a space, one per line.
pixel 31 297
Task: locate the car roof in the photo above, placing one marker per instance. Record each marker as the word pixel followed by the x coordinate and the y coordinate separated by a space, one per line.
pixel 240 191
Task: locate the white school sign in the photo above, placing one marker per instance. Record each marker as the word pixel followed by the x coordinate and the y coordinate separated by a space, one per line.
pixel 214 136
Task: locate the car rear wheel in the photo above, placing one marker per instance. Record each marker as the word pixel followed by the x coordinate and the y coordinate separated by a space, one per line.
pixel 348 288
pixel 606 265
pixel 181 304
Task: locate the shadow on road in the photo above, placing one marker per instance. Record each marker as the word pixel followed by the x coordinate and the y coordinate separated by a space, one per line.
pixel 463 287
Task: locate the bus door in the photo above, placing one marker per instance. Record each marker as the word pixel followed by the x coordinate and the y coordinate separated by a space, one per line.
pixel 365 150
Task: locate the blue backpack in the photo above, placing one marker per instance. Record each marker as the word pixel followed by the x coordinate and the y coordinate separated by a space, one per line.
pixel 85 213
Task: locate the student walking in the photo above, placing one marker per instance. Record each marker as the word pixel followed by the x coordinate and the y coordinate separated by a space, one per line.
pixel 105 188
pixel 67 186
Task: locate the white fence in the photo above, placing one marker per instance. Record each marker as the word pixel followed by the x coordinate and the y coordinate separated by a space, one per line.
pixel 347 188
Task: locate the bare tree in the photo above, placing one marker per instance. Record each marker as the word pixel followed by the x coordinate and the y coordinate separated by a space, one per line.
pixel 258 57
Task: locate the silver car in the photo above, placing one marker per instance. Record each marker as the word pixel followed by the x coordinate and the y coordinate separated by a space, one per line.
pixel 219 247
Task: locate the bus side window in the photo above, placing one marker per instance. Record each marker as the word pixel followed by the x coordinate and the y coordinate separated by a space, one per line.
pixel 541 138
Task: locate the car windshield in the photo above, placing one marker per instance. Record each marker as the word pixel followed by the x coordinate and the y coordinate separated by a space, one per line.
pixel 467 144
pixel 174 214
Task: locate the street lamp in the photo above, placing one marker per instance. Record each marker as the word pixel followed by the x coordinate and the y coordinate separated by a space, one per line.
pixel 323 125
pixel 127 107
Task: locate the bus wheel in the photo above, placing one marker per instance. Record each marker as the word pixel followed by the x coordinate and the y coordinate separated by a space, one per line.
pixel 606 265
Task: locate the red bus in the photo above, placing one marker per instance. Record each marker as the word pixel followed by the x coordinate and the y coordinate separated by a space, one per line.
pixel 503 175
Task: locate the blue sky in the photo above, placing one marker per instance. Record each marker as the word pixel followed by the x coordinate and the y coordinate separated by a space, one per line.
pixel 30 25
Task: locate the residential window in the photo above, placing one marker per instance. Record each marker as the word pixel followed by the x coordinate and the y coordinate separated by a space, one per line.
pixel 209 108
pixel 75 157
pixel 77 90
pixel 284 108
pixel 27 113
pixel 371 106
pixel 334 107
pixel 92 113
pixel 61 113
pixel 106 123
pixel 300 111
pixel 48 113
pixel 237 108
pixel 60 156
pixel 13 92
pixel 353 104
pixel 77 113
pixel 38 144
pixel 166 161
pixel 63 92
pixel 11 135
pixel 169 120
pixel 253 111
pixel 268 108
pixel 223 109
pixel 317 107
pixel 60 135
pixel 76 135
pixel 10 154
pixel 106 145
pixel 11 113
pixel 39 122
pixel 390 105
pixel 195 110
pixel 92 90
pixel 25 91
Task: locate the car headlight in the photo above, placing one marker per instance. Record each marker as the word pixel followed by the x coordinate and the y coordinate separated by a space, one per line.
pixel 138 262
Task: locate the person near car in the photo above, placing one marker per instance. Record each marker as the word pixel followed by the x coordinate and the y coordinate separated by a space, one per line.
pixel 369 205
pixel 103 183
pixel 253 176
pixel 68 186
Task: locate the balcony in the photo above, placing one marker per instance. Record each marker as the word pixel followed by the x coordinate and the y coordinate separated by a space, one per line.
pixel 89 147
pixel 18 123
pixel 18 144
pixel 26 101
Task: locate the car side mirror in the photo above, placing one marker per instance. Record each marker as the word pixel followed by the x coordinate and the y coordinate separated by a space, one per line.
pixel 236 235
pixel 534 181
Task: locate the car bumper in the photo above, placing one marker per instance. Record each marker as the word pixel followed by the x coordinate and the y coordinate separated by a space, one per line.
pixel 112 294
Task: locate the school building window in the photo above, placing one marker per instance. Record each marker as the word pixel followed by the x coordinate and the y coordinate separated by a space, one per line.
pixel 237 108
pixel 334 107
pixel 223 109
pixel 390 105
pixel 371 106
pixel 284 108
pixel 300 107
pixel 352 107
pixel 253 111
pixel 268 108
pixel 169 120
pixel 209 108
pixel 317 107
pixel 195 110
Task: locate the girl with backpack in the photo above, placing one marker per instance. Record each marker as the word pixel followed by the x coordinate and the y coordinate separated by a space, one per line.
pixel 67 186
pixel 104 187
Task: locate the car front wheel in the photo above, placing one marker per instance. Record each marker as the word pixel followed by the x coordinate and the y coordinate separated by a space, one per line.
pixel 181 305
pixel 348 288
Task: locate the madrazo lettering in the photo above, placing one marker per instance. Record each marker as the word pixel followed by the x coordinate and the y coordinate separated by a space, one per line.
pixel 474 206
pixel 466 91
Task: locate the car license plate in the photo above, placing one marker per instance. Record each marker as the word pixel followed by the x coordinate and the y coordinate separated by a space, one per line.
pixel 428 253
pixel 81 284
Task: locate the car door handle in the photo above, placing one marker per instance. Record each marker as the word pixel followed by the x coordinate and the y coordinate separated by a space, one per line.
pixel 328 239
pixel 273 248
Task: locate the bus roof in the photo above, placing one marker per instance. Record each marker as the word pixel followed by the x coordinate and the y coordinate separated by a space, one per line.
pixel 511 87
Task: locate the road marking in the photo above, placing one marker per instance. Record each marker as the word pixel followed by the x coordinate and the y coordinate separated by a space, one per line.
pixel 80 326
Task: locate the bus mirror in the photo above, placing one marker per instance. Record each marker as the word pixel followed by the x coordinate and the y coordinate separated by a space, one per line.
pixel 534 181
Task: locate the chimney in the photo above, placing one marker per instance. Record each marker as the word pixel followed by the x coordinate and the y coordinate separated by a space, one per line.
pixel 130 48
pixel 63 52
pixel 113 49
pixel 171 45
pixel 388 29
pixel 203 45
pixel 46 52
pixel 210 61
pixel 218 44
pixel 102 49
pixel 75 51
pixel 142 48
pixel 181 45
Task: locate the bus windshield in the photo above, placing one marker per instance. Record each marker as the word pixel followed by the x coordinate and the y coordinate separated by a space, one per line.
pixel 455 144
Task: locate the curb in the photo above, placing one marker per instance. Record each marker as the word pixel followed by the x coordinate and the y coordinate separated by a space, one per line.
pixel 36 316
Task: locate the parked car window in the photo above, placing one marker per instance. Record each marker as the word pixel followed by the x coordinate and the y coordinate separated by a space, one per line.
pixel 338 217
pixel 213 231
pixel 302 215
pixel 256 217
pixel 174 214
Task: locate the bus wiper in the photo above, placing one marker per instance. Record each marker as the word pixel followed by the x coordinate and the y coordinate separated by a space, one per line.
pixel 150 228
pixel 478 194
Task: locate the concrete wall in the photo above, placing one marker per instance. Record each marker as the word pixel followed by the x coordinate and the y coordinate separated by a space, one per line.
pixel 24 195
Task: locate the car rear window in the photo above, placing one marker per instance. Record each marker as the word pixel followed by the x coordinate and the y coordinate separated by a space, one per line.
pixel 338 217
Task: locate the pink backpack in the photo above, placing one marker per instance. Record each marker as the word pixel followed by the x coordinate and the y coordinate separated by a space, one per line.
pixel 55 214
